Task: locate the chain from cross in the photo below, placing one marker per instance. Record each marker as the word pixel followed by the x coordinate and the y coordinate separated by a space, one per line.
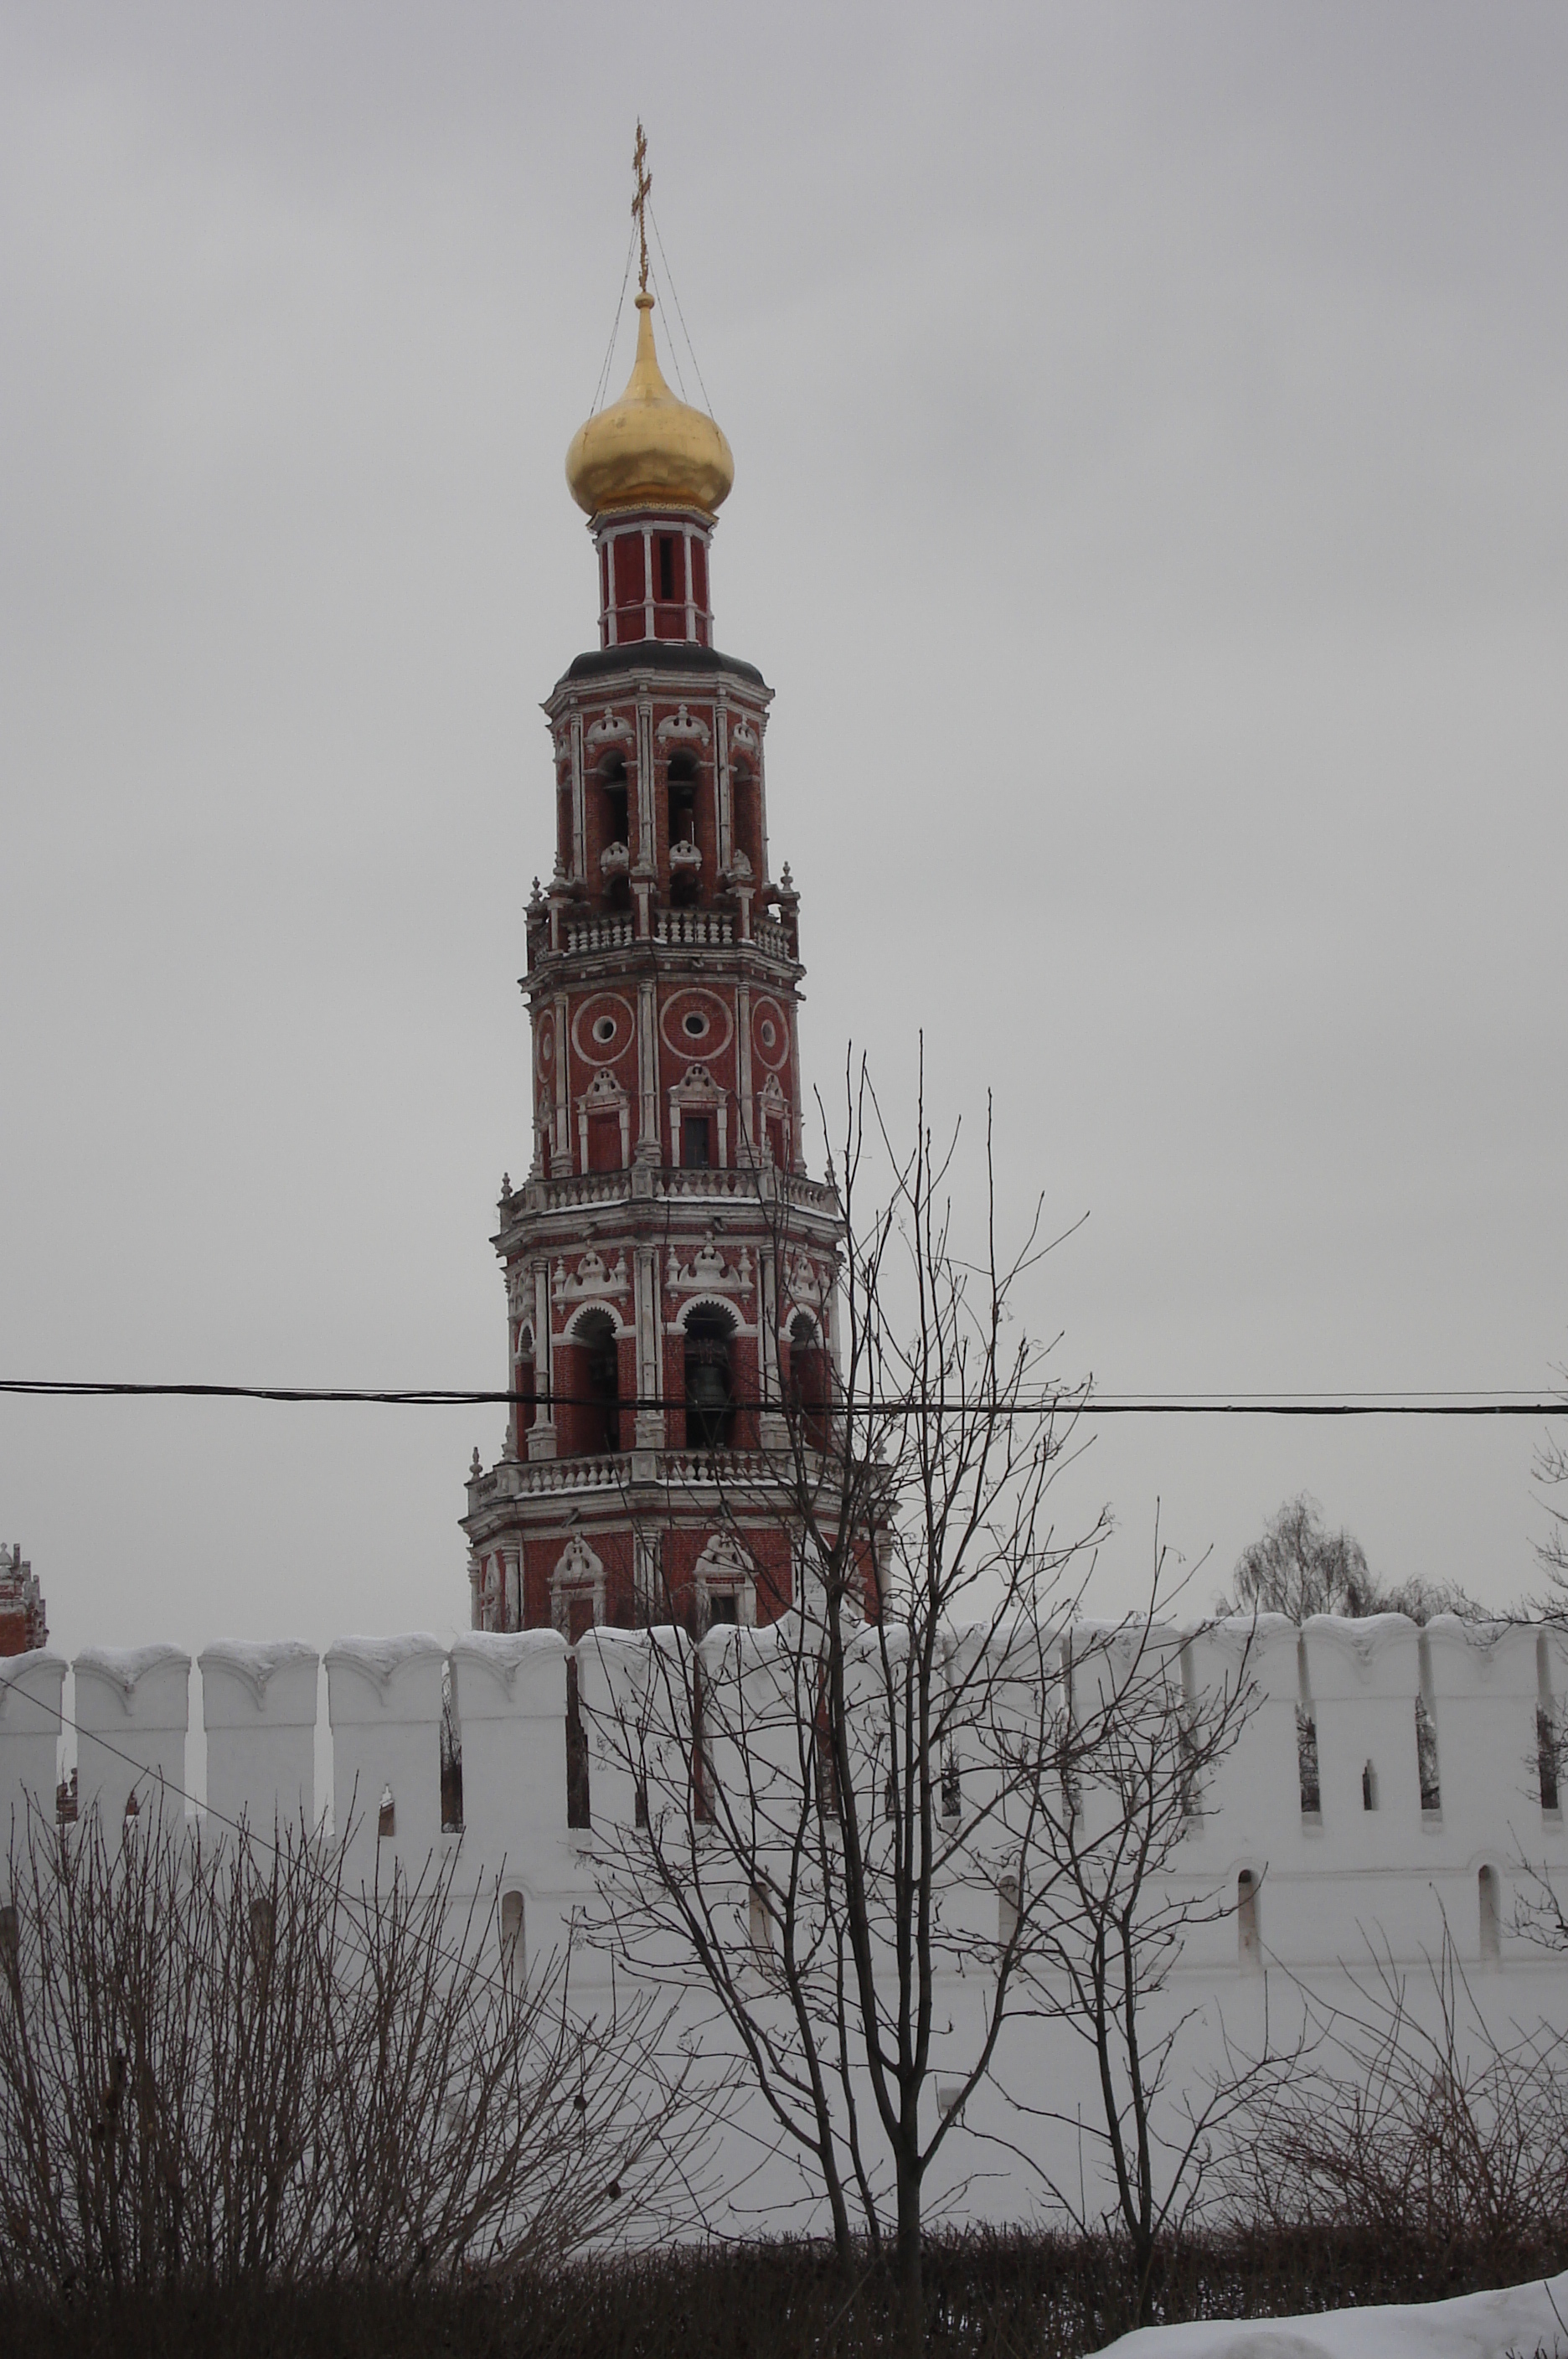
pixel 639 203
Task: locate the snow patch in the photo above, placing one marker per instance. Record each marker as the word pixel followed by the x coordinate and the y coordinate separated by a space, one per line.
pixel 380 1660
pixel 257 1660
pixel 1517 2320
pixel 504 1652
pixel 124 1668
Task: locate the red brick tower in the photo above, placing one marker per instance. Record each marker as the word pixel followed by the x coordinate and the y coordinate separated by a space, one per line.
pixel 24 1624
pixel 668 1263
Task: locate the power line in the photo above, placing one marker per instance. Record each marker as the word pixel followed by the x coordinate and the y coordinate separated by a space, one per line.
pixel 1506 1402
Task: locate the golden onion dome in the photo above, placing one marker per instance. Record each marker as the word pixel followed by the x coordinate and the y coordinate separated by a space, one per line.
pixel 648 449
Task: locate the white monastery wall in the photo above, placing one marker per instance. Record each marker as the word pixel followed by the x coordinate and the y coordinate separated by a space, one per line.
pixel 1324 1880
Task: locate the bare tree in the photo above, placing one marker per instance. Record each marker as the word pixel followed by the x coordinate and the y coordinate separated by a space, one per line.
pixel 224 2065
pixel 820 1824
pixel 1121 1886
pixel 1298 1568
pixel 1551 1471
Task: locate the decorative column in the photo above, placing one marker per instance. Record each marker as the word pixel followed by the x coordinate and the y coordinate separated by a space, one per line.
pixel 560 1156
pixel 648 1603
pixel 650 1423
pixel 722 775
pixel 647 1146
pixel 797 1148
pixel 647 840
pixel 579 802
pixel 542 1440
pixel 745 1146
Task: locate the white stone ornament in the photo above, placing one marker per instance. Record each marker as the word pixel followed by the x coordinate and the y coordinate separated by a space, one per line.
pixel 681 725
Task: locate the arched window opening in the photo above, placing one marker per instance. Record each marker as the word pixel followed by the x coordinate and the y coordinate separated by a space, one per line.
pixel 631 586
pixel 262 1926
pixel 450 1757
pixel 1248 1935
pixel 828 1800
pixel 1548 1732
pixel 670 566
pixel 696 1142
pixel 613 790
pixel 387 1818
pixel 685 856
pixel 1007 1911
pixel 1307 1763
pixel 1426 1758
pixel 513 1957
pixel 599 1382
pixel 951 1784
pixel 682 798
pixel 806 1386
pixel 758 1921
pixel 1369 1786
pixel 615 854
pixel 525 1384
pixel 133 1811
pixel 742 815
pixel 710 1388
pixel 577 1799
pixel 701 1767
pixel 605 1140
pixel 1491 1915
pixel 1547 1746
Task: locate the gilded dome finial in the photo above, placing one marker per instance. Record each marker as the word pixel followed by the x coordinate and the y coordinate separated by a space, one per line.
pixel 649 448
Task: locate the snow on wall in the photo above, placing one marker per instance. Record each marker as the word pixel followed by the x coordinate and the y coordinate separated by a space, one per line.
pixel 1377 1852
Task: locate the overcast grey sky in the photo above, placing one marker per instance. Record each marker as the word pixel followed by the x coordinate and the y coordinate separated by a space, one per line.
pixel 1151 479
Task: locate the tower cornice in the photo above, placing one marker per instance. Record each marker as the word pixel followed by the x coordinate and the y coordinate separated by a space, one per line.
pixel 642 662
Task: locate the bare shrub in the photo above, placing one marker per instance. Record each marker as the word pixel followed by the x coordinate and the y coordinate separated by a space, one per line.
pixel 1417 2123
pixel 221 2065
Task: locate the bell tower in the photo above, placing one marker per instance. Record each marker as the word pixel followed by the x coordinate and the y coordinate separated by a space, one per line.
pixel 669 1264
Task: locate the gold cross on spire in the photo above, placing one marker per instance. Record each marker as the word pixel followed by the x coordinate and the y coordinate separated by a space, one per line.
pixel 639 203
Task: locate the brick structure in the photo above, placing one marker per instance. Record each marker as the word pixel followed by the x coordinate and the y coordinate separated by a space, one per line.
pixel 23 1621
pixel 668 1263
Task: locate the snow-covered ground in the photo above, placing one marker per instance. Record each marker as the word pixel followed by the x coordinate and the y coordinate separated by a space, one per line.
pixel 1516 2323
